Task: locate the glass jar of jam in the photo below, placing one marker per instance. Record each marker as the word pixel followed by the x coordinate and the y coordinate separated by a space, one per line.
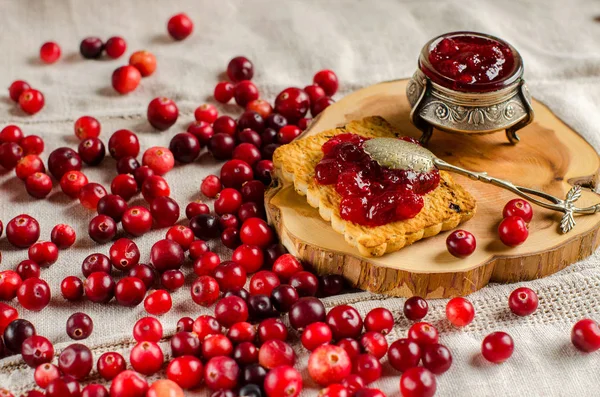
pixel 469 83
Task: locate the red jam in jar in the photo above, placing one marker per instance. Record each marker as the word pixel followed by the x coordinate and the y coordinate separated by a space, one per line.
pixel 468 61
pixel 372 195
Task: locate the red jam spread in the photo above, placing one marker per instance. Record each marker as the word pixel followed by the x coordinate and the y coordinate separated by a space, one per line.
pixel 470 61
pixel 371 195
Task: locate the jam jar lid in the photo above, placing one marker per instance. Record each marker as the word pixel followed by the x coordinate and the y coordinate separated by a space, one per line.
pixel 471 62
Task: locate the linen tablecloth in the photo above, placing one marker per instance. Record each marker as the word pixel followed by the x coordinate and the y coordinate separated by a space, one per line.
pixel 365 42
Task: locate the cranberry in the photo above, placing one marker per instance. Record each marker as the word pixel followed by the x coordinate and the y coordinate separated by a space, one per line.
pixel 99 287
pixel 130 291
pixel 110 365
pixel 240 68
pixel 144 61
pixel 205 226
pixel 95 263
pixel 92 151
pixel 374 343
pixel 585 336
pixel 250 257
pixel 137 221
pixel 63 160
pixel 245 92
pixel 146 357
pixel 185 343
pixel 221 373
pixel 368 366
pixel 31 101
pixel 91 47
pixel 230 275
pixel 205 291
pixel 327 80
pixel 272 328
pixel 437 358
pixel 263 283
pixel 63 236
pixel 10 154
pixel 180 26
pixel 245 354
pixel 461 243
pixel 230 238
pixel 423 333
pixel 147 329
pixel 460 312
pixel 155 186
pixel 127 165
pixel 497 347
pixel 128 384
pixel 314 92
pixel 34 294
pixel 144 273
pixel 523 301
pixel 71 288
pixel 263 171
pixel 16 88
pixel 241 332
pixel 164 387
pixel 186 371
pixel 66 386
pixel 159 159
pixel 520 208
pixel 79 326
pixel 185 147
pixel 162 113
pixel 16 332
pixel 123 143
pixel 126 79
pixel 29 165
pixel 269 135
pixel 415 308
pixel 76 360
pixel 253 191
pixel 166 254
pixel 165 211
pixel 513 231
pixel 196 208
pixel 260 307
pixel 102 229
pixel 288 133
pixel 72 182
pixel 255 231
pixel 10 282
pixel 306 311
pixel 404 354
pixel 211 186
pixel 27 269
pixel 231 310
pixel 283 297
pixel 227 221
pixel 94 390
pixel 252 121
pixel 124 185
pixel 305 283
pixel 182 235
pixel 90 195
pixel 115 47
pixel 235 173
pixel 87 127
pixel 37 350
pixel 315 335
pixel 329 364
pixel 379 320
pixel 248 153
pixel 221 146
pixel 216 345
pixel 206 263
pixel 320 105
pixel 292 103
pixel 44 253
pixel 22 231
pixel 228 201
pixel 206 112
pixel 345 322
pixel 32 144
pixel 206 325
pixel 417 382
pixel 223 92
pixel 43 375
pixel 141 174
pixel 275 353
pixel 172 279
pixel 263 108
pixel 283 381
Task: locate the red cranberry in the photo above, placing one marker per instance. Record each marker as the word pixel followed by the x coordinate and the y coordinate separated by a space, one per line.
pixel 221 146
pixel 228 201
pixel 126 79
pixel 87 127
pixel 321 104
pixel 79 326
pixel 144 273
pixel 31 101
pixel 196 208
pixel 228 221
pixel 520 208
pixel 95 263
pixel 250 210
pixel 22 231
pixel 283 381
pixel 461 243
pixel 146 358
pixel 29 165
pixel 90 194
pixel 10 282
pixel 162 113
pixel 415 308
pixel 235 173
pixel 225 125
pixel 11 133
pixel 206 325
pixel 497 347
pixel 110 365
pixel 260 307
pixel 186 343
pixel 245 354
pixel 327 80
pixel 185 147
pixel 172 279
pixel 250 257
pixel 128 384
pixel 27 269
pixel 263 171
pixel 32 144
pixel 423 333
pixel 166 254
pixel 115 47
pixel 124 185
pixel 345 322
pixel 92 151
pixel 305 283
pixel 437 358
pixel 38 185
pixel 211 186
pixel 63 236
pixel 207 113
pixel 159 159
pixel 247 153
pixel 288 133
pixel 186 371
pixel 113 206
pixel 240 68
pixel 16 89
pixel 315 335
pixel 275 353
pixel 123 143
pixel 417 382
pixel 49 52
pixel 34 294
pixel 144 61
pixel 585 336
pixel 63 160
pixel 158 302
pixel 329 364
pixel 255 231
pixel 130 291
pixel 272 328
pixel 404 354
pixel 374 343
pixel 306 311
pixel 230 238
pixel 165 211
pixel 99 287
pixel 245 92
pixel 147 329
pixel 253 191
pixel 72 182
pixel 223 91
pixel 205 291
pixel 460 312
pixel 276 121
pixel 513 231
pixel 241 332
pixel 37 350
pixel 76 360
pixel 10 154
pixel 205 226
pixel 263 108
pixel 182 235
pixel 269 135
pixel 221 373
pixel 283 297
pixel 128 165
pixel 137 221
pixel 523 301
pixel 91 47
pixel 66 386
pixel 230 275
pixel 314 92
pixel 251 120
pixel 206 263
pixel 180 26
pixel 71 288
pixel 379 320
pixel 94 390
pixel 368 367
pixel 216 345
pixel 231 310
pixel 43 375
pixel 16 332
pixel 102 229
pixel 263 283
pixel 155 186
pixel 292 103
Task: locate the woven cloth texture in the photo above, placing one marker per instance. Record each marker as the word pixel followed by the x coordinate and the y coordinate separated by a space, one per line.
pixel 365 42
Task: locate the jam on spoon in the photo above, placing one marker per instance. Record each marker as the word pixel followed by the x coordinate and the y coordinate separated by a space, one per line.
pixel 372 195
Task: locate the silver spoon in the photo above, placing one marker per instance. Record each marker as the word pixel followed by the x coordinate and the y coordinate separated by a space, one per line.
pixel 398 154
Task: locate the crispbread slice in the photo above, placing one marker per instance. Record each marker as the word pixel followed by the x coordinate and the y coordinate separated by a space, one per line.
pixel 445 207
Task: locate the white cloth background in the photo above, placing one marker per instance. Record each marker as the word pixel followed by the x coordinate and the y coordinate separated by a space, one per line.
pixel 365 42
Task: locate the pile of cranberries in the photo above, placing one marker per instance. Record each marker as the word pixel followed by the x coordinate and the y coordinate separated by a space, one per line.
pixel 245 347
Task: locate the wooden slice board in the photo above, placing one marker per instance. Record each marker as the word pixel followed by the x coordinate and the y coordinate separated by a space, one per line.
pixel 550 157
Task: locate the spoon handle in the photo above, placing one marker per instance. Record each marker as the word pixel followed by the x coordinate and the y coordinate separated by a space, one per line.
pixel 542 199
